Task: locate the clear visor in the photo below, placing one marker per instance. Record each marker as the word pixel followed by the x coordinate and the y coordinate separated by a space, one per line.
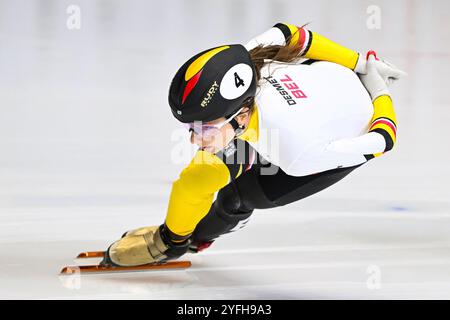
pixel 207 130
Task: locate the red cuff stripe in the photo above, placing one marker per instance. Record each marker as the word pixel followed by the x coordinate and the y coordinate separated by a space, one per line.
pixel 301 39
pixel 386 122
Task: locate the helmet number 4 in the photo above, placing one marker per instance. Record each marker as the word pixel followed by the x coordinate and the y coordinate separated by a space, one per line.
pixel 238 81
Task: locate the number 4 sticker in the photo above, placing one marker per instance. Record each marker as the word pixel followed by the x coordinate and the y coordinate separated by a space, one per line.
pixel 238 81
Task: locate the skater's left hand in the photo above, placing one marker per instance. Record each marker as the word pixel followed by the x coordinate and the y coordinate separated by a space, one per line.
pixel 388 72
pixel 372 80
pixel 144 246
pixel 134 250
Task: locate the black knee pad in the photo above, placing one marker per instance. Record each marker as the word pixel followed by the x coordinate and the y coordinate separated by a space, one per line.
pixel 227 214
pixel 229 201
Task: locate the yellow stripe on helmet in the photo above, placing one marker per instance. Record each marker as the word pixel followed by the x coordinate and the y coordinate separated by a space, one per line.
pixel 200 62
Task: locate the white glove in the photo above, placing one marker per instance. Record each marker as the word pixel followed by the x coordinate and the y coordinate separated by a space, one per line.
pixel 372 80
pixel 387 70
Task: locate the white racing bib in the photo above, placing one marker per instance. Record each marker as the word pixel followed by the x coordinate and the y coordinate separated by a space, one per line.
pixel 302 108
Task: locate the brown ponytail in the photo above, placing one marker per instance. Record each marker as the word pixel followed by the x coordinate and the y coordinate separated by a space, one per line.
pixel 286 53
pixel 273 52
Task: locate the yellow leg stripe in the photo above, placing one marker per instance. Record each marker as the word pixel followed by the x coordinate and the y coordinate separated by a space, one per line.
pixel 240 171
pixel 193 193
pixel 183 217
pixel 377 154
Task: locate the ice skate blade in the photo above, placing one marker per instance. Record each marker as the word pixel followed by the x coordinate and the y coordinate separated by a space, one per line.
pixel 107 269
pixel 91 254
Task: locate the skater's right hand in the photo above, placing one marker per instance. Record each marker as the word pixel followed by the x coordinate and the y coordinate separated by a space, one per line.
pixel 388 71
pixel 372 80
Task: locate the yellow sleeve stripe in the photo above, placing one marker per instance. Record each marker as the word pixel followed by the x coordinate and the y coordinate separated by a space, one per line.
pixel 324 49
pixel 384 121
pixel 383 107
pixel 384 116
pixel 294 34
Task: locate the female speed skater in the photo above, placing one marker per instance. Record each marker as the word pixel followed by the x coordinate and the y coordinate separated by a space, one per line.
pixel 277 120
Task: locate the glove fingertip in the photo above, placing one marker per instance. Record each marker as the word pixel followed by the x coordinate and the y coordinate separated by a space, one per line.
pixel 371 53
pixel 370 62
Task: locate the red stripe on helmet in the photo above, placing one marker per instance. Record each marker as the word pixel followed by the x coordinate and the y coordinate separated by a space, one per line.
pixel 190 85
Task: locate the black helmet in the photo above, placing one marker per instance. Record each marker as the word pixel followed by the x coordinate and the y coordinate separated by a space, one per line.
pixel 212 84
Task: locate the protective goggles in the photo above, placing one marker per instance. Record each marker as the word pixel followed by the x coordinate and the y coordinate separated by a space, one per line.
pixel 208 130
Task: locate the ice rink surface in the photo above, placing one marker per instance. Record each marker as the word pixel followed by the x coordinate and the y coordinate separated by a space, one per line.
pixel 87 143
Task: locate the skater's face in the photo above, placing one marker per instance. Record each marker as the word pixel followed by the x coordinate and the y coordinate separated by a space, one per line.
pixel 218 132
